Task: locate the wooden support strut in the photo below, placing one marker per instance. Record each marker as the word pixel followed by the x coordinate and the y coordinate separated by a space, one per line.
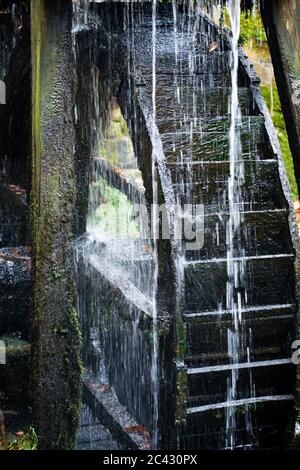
pixel 281 19
pixel 56 343
pixel 282 24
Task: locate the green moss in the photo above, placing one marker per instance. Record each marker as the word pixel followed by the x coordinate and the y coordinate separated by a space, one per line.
pixel 71 359
pixel 181 338
pixel 36 40
pixel 273 102
pixel 181 396
pixel 51 196
pixel 116 133
pixel 74 413
pixel 60 331
pixel 55 333
pixel 74 357
pixel 64 442
pixel 162 329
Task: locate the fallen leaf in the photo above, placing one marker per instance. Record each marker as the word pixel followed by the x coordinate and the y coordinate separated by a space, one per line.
pixel 103 388
pixel 138 429
pixel 146 248
pixel 26 266
pixel 213 47
pixel 100 388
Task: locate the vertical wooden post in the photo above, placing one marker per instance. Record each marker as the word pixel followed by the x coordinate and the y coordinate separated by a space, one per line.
pixel 282 24
pixel 55 333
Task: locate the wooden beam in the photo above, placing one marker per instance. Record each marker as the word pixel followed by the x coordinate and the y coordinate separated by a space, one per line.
pixel 55 333
pixel 282 23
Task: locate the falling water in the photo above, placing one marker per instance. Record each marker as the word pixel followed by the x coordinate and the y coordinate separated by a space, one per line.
pixel 98 247
pixel 182 64
pixel 235 289
pixel 154 368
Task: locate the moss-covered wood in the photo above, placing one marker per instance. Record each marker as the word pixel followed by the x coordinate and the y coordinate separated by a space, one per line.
pixel 282 23
pixel 55 334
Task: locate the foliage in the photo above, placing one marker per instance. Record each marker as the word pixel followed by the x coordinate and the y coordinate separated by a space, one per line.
pixel 113 217
pixel 116 140
pixel 20 441
pixel 253 36
pixel 273 103
pixel 252 29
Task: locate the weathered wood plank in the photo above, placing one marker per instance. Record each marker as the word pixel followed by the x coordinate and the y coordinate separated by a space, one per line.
pixel 56 336
pixel 282 23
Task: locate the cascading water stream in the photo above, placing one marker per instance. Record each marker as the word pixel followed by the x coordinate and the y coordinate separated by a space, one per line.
pixel 233 268
pixel 236 295
pixel 154 367
pixel 182 69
